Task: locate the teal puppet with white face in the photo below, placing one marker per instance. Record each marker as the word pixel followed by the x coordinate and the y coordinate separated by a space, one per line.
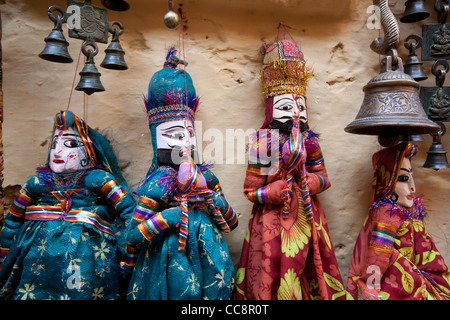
pixel 175 241
pixel 64 235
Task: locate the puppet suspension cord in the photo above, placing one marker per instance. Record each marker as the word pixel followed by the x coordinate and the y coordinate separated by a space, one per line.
pixel 73 82
pixel 182 52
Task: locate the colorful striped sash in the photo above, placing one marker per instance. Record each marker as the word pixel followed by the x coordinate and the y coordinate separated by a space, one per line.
pixel 297 154
pixel 191 188
pixel 47 213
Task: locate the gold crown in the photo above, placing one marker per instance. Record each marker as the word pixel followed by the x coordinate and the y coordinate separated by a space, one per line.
pixel 284 70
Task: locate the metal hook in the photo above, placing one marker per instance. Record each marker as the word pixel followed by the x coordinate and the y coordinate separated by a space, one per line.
pixel 59 19
pixel 390 28
pixel 440 73
pixel 416 44
pixel 442 7
pixel 116 32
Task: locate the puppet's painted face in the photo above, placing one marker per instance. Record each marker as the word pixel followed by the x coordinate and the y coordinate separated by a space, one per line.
pixel 405 187
pixel 68 153
pixel 286 107
pixel 174 135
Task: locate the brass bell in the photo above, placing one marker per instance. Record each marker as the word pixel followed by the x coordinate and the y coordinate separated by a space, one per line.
pixel 171 19
pixel 437 156
pixel 56 47
pixel 114 57
pixel 391 105
pixel 89 76
pixel 413 65
pixel 415 11
pixel 56 44
pixel 116 5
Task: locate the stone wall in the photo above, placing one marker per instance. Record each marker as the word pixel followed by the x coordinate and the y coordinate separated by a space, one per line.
pixel 221 42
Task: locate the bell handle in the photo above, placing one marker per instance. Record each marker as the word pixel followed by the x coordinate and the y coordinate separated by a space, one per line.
pixel 442 7
pixel 438 135
pixel 440 73
pixel 59 19
pixel 390 27
pixel 170 4
pixel 89 53
pixel 116 31
pixel 414 45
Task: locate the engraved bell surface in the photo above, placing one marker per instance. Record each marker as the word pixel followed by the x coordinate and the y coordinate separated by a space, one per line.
pixel 391 105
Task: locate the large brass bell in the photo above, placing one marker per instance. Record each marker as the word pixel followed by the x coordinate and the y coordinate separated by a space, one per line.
pixel 437 156
pixel 56 44
pixel 89 76
pixel 413 65
pixel 116 5
pixel 391 105
pixel 415 11
pixel 114 57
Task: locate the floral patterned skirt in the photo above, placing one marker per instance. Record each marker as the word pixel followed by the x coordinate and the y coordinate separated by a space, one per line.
pixel 60 260
pixel 289 259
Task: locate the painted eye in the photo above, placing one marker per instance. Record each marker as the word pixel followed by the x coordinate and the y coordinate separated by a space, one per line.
pixel 176 135
pixel 403 178
pixel 286 107
pixel 71 143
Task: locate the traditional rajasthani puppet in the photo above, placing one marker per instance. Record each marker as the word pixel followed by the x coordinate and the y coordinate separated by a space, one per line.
pixel 176 240
pixel 65 232
pixel 287 252
pixel 395 257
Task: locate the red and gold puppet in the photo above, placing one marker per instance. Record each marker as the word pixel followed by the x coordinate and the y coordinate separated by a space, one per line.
pixel 395 258
pixel 287 252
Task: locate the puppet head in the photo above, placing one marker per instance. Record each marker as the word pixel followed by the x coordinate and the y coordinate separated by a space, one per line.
pixel 284 76
pixel 75 146
pixel 393 174
pixel 171 105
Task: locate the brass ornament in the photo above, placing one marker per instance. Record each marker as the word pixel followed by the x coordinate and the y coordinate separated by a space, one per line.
pixel 391 105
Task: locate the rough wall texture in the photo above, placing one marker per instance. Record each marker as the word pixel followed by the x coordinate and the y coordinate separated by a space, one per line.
pixel 221 42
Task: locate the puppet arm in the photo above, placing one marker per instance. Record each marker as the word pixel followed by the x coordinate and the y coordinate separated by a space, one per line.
pixel 380 249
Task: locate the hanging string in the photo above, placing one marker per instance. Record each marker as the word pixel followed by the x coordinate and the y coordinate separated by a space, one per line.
pixel 84 101
pixel 183 53
pixel 285 31
pixel 73 82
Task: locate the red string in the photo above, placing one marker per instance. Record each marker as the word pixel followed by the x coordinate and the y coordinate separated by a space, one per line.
pixel 73 82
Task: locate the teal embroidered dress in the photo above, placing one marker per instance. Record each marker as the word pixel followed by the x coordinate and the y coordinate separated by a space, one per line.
pixel 175 242
pixel 64 235
pixel 203 268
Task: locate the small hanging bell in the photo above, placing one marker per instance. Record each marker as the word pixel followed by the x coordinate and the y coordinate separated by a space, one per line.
pixel 391 105
pixel 56 44
pixel 413 66
pixel 114 57
pixel 437 156
pixel 171 19
pixel 116 5
pixel 415 11
pixel 89 76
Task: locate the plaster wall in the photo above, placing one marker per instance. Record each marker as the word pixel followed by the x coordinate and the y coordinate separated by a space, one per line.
pixel 221 42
